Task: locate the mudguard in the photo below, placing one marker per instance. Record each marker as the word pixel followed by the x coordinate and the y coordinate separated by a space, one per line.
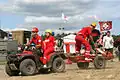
pixel 54 55
pixel 33 57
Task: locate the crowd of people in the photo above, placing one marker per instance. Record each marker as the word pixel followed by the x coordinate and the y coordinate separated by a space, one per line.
pixel 87 36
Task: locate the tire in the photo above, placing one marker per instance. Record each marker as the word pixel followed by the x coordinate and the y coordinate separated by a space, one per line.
pixel 11 72
pixel 27 67
pixel 99 62
pixel 58 65
pixel 83 65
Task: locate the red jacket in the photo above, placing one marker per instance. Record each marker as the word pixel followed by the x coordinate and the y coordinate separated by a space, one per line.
pixel 49 43
pixel 36 40
pixel 86 31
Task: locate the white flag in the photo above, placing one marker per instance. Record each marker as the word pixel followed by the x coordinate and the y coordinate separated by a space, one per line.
pixel 65 18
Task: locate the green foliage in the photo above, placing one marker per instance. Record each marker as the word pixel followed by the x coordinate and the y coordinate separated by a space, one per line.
pixel 116 40
pixel 115 37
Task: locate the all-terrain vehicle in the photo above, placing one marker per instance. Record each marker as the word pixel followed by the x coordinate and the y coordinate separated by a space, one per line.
pixel 30 61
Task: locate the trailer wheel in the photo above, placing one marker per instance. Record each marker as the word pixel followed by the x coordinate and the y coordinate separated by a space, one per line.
pixel 99 62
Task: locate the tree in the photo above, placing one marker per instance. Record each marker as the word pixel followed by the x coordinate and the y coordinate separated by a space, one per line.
pixel 116 40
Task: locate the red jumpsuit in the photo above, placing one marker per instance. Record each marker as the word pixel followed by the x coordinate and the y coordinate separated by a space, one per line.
pixel 36 40
pixel 48 47
pixel 81 37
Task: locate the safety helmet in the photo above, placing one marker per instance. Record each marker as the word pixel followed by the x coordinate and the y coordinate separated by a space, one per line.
pixel 49 31
pixel 35 29
pixel 94 24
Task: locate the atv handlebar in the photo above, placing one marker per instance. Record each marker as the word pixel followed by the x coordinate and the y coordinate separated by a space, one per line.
pixel 30 47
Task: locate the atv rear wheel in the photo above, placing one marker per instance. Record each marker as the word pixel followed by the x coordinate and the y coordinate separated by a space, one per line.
pixel 11 72
pixel 99 62
pixel 83 65
pixel 27 67
pixel 58 65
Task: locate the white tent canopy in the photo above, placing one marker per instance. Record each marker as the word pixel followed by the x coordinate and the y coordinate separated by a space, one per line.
pixel 69 38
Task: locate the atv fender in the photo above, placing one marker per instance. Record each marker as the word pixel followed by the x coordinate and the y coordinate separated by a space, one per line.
pixel 55 55
pixel 34 58
pixel 30 56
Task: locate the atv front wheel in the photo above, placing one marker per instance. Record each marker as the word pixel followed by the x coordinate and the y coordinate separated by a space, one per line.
pixel 58 65
pixel 99 62
pixel 83 65
pixel 27 67
pixel 11 72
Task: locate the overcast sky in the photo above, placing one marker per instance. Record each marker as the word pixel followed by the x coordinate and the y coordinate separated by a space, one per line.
pixel 47 13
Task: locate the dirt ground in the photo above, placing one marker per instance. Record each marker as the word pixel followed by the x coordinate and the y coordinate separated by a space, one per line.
pixel 112 72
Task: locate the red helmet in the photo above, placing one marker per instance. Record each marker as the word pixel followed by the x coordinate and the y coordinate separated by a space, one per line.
pixel 35 29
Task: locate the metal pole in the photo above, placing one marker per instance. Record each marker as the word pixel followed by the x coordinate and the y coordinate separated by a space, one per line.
pixel 0 29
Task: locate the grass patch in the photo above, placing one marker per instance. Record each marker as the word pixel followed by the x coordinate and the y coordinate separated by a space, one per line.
pixel 3 62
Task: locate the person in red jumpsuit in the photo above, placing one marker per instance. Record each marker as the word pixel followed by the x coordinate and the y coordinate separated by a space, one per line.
pixel 81 39
pixel 36 39
pixel 48 46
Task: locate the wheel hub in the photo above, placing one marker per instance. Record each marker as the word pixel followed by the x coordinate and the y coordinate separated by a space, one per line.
pixel 100 62
pixel 29 68
pixel 59 65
